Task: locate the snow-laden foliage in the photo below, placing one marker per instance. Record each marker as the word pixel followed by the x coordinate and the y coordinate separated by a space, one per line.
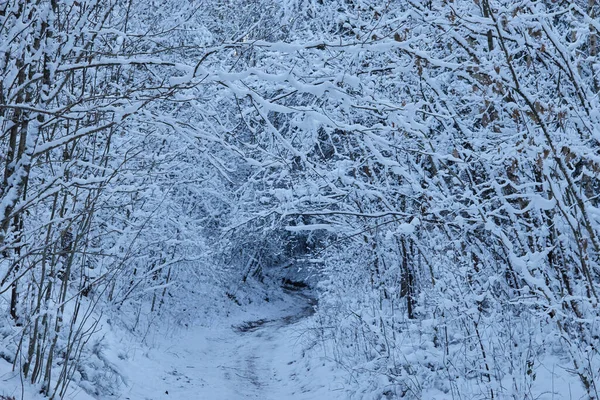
pixel 435 161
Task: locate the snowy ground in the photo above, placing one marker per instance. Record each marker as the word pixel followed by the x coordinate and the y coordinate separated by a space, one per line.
pixel 256 353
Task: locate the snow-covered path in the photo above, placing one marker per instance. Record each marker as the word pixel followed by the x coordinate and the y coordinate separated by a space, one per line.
pixel 258 356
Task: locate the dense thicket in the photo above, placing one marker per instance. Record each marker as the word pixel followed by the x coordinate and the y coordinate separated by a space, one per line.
pixel 436 160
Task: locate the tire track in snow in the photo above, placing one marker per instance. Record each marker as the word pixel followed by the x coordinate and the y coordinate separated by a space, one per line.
pixel 259 369
pixel 255 359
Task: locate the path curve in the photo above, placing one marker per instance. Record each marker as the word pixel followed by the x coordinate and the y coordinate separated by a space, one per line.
pixel 259 357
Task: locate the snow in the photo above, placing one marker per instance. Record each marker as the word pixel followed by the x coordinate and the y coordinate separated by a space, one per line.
pixel 255 353
pixel 439 189
pixel 12 386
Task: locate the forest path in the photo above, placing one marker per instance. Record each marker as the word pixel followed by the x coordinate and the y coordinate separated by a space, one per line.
pixel 256 355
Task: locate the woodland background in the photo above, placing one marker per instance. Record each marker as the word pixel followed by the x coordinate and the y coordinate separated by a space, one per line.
pixel 431 166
